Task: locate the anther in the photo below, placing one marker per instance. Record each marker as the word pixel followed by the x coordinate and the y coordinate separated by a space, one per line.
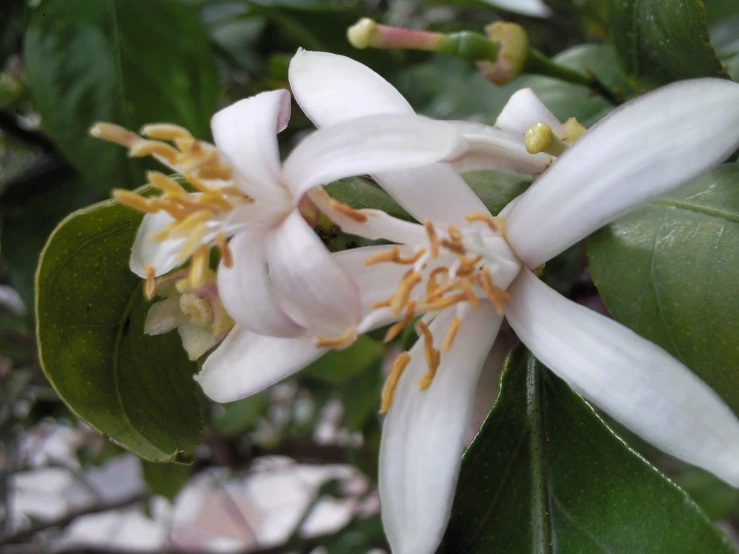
pixel 196 182
pixel 391 383
pixel 457 248
pixel 135 201
pixel 442 303
pixel 150 284
pixel 431 355
pixel 403 292
pixel 192 243
pixel 224 249
pixel 198 267
pixel 348 211
pixel 496 295
pixel 387 256
pixel 395 330
pixel 166 184
pixel 484 218
pixel 431 284
pixel 471 296
pixel 433 238
pixel 341 341
pixel 148 147
pixel 114 133
pixel 165 131
pixel 451 333
pixel 410 259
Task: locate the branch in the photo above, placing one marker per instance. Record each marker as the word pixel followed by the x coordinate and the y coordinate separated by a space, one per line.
pixel 9 126
pixel 68 518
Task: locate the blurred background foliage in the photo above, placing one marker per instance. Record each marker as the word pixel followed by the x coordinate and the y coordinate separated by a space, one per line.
pixel 68 63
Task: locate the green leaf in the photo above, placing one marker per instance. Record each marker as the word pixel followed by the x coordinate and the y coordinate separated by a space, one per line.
pixel 567 100
pixel 546 475
pixel 337 366
pixel 240 416
pixel 660 41
pixel 165 479
pixel 668 271
pixel 126 62
pixel 90 311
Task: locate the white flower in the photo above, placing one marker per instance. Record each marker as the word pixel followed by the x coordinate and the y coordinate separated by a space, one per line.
pixel 642 150
pixel 276 277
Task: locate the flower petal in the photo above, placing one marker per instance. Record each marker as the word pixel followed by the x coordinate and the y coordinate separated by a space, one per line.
pixel 644 149
pixel 377 224
pixel 523 110
pixel 534 8
pixel 369 144
pixel 331 89
pixel 434 192
pixel 163 316
pixel 246 363
pixel 423 435
pixel 196 339
pixel 247 292
pixel 162 256
pixel 247 133
pixel 497 149
pixel 311 286
pixel 630 378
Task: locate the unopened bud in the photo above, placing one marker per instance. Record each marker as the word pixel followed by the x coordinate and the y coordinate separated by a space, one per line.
pixel 368 33
pixel 513 52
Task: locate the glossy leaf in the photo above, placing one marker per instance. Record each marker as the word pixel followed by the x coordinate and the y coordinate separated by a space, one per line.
pixel 115 60
pixel 136 389
pixel 660 41
pixel 668 271
pixel 546 475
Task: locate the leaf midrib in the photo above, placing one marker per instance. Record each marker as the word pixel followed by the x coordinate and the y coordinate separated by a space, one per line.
pixel 698 208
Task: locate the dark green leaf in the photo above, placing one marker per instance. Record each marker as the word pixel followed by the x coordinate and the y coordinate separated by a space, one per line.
pixel 90 313
pixel 165 479
pixel 546 475
pixel 660 41
pixel 668 271
pixel 126 62
pixel 339 365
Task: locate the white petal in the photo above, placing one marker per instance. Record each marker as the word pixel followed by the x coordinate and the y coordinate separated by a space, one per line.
pixel 375 282
pixel 423 435
pixel 247 133
pixel 246 363
pixel 162 256
pixel 435 192
pixel 633 380
pixel 369 144
pixel 497 149
pixel 523 110
pixel 534 8
pixel 163 316
pixel 644 149
pixel 196 339
pixel 310 285
pixel 378 224
pixel 247 292
pixel 331 89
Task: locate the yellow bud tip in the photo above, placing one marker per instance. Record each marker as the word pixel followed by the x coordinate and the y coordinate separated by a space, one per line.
pixel 541 138
pixel 360 34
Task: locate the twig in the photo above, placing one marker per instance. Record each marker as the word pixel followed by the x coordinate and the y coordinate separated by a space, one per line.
pixel 69 517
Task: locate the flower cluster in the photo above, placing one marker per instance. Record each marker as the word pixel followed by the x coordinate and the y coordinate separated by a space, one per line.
pixel 279 299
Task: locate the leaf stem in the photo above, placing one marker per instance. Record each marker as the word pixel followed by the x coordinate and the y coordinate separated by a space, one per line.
pixel 537 63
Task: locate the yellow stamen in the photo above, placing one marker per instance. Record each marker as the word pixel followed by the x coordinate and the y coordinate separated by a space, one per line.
pixel 451 333
pixel 220 172
pixel 442 303
pixel 433 238
pixel 387 256
pixel 403 292
pixel 395 330
pixel 431 284
pixel 471 296
pixel 484 218
pixel 348 211
pixel 430 354
pixel 198 183
pixel 496 295
pixel 388 389
pixel 148 147
pixel 454 247
pixel 410 259
pixel 135 201
pixel 342 341
pixel 181 227
pixel 214 200
pixel 166 184
pixel 382 304
pixel 199 267
pixel 165 131
pixel 150 283
pixel 224 249
pixel 114 133
pixel 192 243
pixel 455 234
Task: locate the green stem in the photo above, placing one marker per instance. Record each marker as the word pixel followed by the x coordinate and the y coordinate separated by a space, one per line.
pixel 537 63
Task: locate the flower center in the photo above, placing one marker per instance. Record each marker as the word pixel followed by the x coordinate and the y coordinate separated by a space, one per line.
pixel 197 214
pixel 459 267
